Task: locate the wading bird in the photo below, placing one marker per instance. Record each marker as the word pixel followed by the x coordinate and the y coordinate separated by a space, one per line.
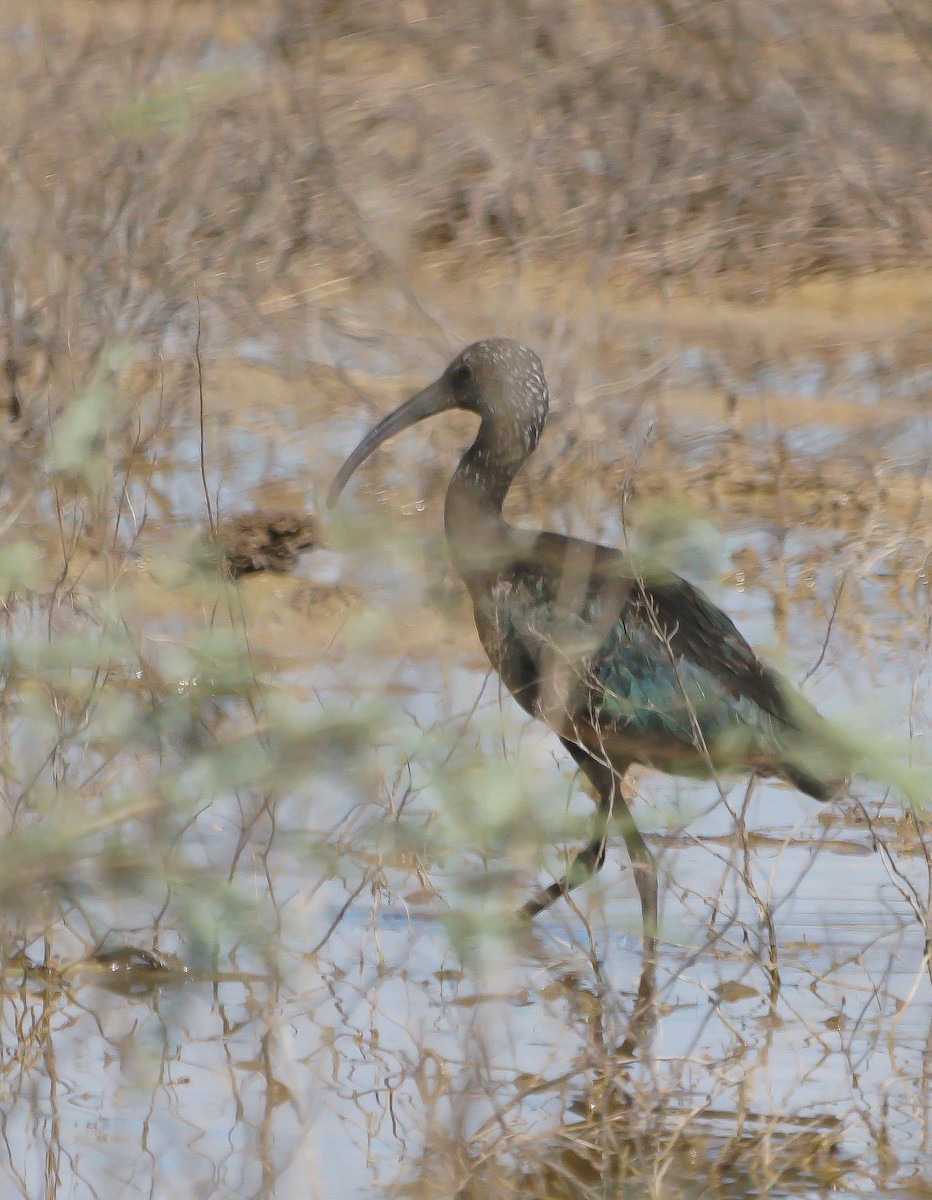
pixel 626 663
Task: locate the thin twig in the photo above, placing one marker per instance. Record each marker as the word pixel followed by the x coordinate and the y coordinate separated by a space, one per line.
pixel 200 409
pixel 828 632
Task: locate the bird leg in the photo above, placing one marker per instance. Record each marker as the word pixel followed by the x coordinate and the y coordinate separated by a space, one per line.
pixel 585 864
pixel 611 806
pixel 607 782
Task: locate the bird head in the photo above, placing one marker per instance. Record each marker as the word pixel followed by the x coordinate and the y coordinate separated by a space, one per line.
pixel 499 380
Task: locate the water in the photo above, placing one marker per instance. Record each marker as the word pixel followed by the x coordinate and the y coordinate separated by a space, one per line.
pixel 408 1041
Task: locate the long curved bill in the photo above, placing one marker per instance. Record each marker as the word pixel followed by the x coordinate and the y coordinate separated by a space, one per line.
pixel 435 398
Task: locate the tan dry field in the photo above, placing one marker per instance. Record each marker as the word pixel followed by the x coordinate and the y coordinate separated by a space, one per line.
pixel 263 838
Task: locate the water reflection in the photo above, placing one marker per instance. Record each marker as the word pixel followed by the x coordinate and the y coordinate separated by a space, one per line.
pixel 401 1035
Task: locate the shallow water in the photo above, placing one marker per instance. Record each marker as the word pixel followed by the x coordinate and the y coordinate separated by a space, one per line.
pixel 405 1020
pixel 304 793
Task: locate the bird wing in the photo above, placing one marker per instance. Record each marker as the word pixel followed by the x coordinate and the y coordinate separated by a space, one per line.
pixel 615 594
pixel 638 663
pixel 699 632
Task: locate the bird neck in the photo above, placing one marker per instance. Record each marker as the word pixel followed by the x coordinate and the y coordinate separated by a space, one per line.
pixel 478 535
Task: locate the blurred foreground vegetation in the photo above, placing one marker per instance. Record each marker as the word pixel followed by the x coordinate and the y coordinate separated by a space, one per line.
pixel 231 234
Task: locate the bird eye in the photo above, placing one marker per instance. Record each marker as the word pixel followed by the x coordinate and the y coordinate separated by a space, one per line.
pixel 461 376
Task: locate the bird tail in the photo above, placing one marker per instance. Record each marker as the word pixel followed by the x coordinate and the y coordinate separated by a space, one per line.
pixel 820 758
pixel 819 787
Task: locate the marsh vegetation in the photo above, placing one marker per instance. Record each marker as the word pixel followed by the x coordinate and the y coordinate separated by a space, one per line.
pixel 265 831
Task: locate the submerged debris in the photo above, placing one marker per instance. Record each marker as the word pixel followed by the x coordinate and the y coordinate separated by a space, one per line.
pixel 133 970
pixel 265 541
pixel 130 958
pixel 676 1154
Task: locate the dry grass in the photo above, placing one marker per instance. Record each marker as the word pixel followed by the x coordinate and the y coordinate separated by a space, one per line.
pixel 230 235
